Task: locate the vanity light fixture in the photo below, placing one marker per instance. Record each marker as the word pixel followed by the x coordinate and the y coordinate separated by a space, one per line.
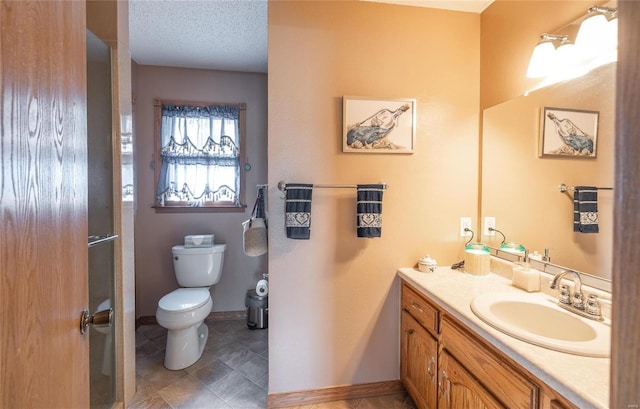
pixel 593 36
pixel 544 57
pixel 555 58
pixel 565 57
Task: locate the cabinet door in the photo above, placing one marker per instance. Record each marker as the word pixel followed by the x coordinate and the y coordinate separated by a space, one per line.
pixel 459 389
pixel 498 377
pixel 419 362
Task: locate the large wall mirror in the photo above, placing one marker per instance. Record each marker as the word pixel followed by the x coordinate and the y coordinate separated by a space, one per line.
pixel 520 188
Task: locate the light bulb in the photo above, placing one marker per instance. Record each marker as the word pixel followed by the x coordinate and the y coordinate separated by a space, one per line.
pixel 565 58
pixel 542 60
pixel 592 37
pixel 612 27
pixel 612 34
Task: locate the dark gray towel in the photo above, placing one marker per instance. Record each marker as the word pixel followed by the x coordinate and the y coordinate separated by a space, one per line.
pixel 369 210
pixel 260 204
pixel 585 209
pixel 298 210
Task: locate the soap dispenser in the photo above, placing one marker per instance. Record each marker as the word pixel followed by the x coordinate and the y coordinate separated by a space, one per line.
pixel 524 276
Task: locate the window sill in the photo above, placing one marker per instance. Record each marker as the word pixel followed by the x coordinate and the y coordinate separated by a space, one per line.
pixel 202 209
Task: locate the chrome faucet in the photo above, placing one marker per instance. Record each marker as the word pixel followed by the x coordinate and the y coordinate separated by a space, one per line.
pixel 577 284
pixel 575 303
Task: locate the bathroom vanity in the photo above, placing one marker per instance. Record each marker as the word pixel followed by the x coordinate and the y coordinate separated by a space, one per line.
pixel 450 358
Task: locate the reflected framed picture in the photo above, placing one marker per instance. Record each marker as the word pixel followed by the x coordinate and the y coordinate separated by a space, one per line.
pixel 570 133
pixel 373 125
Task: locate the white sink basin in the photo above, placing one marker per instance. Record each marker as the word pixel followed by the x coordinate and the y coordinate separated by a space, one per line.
pixel 537 319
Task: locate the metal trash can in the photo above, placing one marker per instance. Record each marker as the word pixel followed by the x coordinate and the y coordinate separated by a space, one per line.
pixel 257 310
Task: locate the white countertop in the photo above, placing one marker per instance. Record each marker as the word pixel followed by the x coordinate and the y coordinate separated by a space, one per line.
pixel 582 380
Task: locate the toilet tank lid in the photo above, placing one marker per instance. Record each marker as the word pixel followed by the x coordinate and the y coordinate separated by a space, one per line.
pixel 184 299
pixel 181 249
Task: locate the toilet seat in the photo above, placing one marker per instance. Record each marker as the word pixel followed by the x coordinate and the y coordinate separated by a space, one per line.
pixel 184 299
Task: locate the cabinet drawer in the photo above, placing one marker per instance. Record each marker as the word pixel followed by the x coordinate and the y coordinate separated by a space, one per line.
pixel 416 305
pixel 509 386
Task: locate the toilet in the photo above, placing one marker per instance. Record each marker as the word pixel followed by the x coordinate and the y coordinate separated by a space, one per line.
pixel 182 311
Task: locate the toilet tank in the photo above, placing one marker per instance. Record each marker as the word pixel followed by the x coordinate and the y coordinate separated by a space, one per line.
pixel 198 266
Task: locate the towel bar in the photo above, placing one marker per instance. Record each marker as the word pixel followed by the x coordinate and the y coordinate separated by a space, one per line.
pixel 95 240
pixel 282 185
pixel 563 188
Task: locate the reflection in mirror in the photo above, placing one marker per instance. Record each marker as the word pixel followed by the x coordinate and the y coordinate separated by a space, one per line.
pixel 521 189
pixel 100 212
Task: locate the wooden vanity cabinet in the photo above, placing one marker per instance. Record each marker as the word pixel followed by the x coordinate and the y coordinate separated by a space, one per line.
pixel 419 367
pixel 419 344
pixel 549 399
pixel 459 389
pixel 419 308
pixel 498 378
pixel 470 372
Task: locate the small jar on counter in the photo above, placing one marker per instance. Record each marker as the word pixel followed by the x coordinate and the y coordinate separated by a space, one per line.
pixel 427 264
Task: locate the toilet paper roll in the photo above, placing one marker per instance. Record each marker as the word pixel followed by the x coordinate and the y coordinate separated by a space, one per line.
pixel 262 288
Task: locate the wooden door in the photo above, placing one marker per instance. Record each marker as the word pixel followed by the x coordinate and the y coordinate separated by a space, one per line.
pixel 43 194
pixel 419 362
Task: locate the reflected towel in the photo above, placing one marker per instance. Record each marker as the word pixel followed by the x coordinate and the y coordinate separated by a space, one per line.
pixel 585 209
pixel 298 210
pixel 260 204
pixel 369 210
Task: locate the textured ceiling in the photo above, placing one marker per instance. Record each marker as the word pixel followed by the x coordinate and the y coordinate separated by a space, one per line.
pixel 220 34
pixel 214 34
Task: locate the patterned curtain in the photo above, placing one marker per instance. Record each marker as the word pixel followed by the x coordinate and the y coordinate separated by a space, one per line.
pixel 200 152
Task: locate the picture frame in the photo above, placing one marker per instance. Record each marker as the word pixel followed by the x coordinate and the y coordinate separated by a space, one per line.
pixel 568 133
pixel 375 125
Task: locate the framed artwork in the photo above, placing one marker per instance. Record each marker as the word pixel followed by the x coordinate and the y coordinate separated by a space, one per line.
pixel 571 133
pixel 371 125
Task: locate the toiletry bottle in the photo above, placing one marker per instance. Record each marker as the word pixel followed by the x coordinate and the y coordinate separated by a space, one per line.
pixel 524 276
pixel 535 256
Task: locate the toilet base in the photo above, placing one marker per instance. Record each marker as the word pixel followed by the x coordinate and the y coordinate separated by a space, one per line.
pixel 185 346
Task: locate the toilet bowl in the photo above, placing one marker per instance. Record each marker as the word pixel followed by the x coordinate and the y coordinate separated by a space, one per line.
pixel 182 313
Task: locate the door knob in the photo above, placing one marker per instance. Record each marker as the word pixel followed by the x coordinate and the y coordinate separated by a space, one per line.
pixel 100 319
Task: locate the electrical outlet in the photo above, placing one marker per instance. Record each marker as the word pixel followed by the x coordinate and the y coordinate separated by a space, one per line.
pixel 465 223
pixel 489 222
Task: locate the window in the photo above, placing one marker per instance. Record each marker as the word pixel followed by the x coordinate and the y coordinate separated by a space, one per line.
pixel 199 155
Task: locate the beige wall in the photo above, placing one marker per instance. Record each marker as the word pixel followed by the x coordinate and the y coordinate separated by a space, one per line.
pixel 156 233
pixel 334 302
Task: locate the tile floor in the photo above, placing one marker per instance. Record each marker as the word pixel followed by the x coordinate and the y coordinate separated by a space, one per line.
pixel 232 374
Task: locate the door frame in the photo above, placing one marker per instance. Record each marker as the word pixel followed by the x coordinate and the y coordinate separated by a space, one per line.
pixel 625 339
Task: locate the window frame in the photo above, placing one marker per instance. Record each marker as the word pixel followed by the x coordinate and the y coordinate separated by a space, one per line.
pixel 184 207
